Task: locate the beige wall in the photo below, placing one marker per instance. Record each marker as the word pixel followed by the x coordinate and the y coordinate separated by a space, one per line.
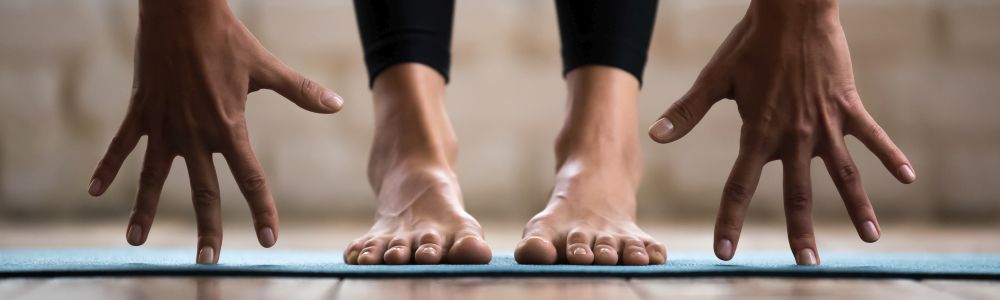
pixel 927 70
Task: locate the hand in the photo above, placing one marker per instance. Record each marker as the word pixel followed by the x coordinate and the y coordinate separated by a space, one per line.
pixel 789 71
pixel 195 63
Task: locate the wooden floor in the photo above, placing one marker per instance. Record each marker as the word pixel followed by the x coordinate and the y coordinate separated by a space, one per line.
pixel 491 288
pixel 910 238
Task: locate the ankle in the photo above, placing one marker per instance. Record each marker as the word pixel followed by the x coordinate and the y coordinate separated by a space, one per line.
pixel 412 129
pixel 600 126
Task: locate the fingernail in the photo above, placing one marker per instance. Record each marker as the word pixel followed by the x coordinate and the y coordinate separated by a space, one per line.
pixel 332 100
pixel 429 250
pixel 266 237
pixel 724 249
pixel 95 187
pixel 662 129
pixel 579 251
pixel 134 234
pixel 907 173
pixel 806 257
pixel 869 233
pixel 206 255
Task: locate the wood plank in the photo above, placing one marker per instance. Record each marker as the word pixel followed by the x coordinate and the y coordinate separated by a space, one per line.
pixel 967 289
pixel 487 288
pixel 12 288
pixel 181 288
pixel 775 288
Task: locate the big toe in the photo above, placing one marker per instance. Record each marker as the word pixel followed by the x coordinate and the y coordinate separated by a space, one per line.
pixel 470 250
pixel 535 251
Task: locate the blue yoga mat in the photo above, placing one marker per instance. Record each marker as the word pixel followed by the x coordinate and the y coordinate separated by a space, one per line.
pixel 179 262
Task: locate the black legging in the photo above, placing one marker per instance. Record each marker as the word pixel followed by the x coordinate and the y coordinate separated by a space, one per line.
pixel 593 32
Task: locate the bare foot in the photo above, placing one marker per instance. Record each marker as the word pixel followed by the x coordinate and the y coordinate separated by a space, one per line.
pixel 420 216
pixel 590 218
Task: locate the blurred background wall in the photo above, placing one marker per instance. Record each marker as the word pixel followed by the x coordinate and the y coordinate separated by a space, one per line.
pixel 928 70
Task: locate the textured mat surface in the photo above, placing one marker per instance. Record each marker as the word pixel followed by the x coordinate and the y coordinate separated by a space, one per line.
pixel 149 261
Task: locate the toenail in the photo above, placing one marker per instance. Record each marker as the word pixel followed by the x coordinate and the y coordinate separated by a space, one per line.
pixel 366 252
pixel 656 257
pixel 429 250
pixel 579 251
pixel 604 250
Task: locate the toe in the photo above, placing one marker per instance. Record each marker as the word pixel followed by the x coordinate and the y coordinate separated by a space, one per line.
pixel 469 249
pixel 535 250
pixel 373 251
pixel 398 252
pixel 634 253
pixel 606 250
pixel 352 252
pixel 657 252
pixel 428 254
pixel 430 250
pixel 578 250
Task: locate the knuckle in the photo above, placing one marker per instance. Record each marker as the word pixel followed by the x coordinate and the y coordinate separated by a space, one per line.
pixel 682 112
pixel 729 226
pixel 209 236
pixel 254 183
pixel 798 202
pixel 849 98
pixel 141 215
pixel 204 198
pixel 150 176
pixel 756 138
pixel 848 173
pixel 264 217
pixel 307 87
pixel 876 132
pixel 802 236
pixel 736 193
pixel 802 133
pixel 117 143
pixel 860 206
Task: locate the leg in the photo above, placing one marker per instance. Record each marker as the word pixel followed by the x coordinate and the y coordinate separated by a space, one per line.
pixel 420 216
pixel 590 218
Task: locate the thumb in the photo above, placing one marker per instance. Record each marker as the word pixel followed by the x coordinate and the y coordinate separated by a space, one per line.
pixel 681 117
pixel 305 93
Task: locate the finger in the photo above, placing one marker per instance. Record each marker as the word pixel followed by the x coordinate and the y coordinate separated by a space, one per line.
pixel 847 179
pixel 875 138
pixel 736 197
pixel 205 195
pixel 798 210
pixel 682 116
pixel 250 178
pixel 155 167
pixel 275 75
pixel 121 145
